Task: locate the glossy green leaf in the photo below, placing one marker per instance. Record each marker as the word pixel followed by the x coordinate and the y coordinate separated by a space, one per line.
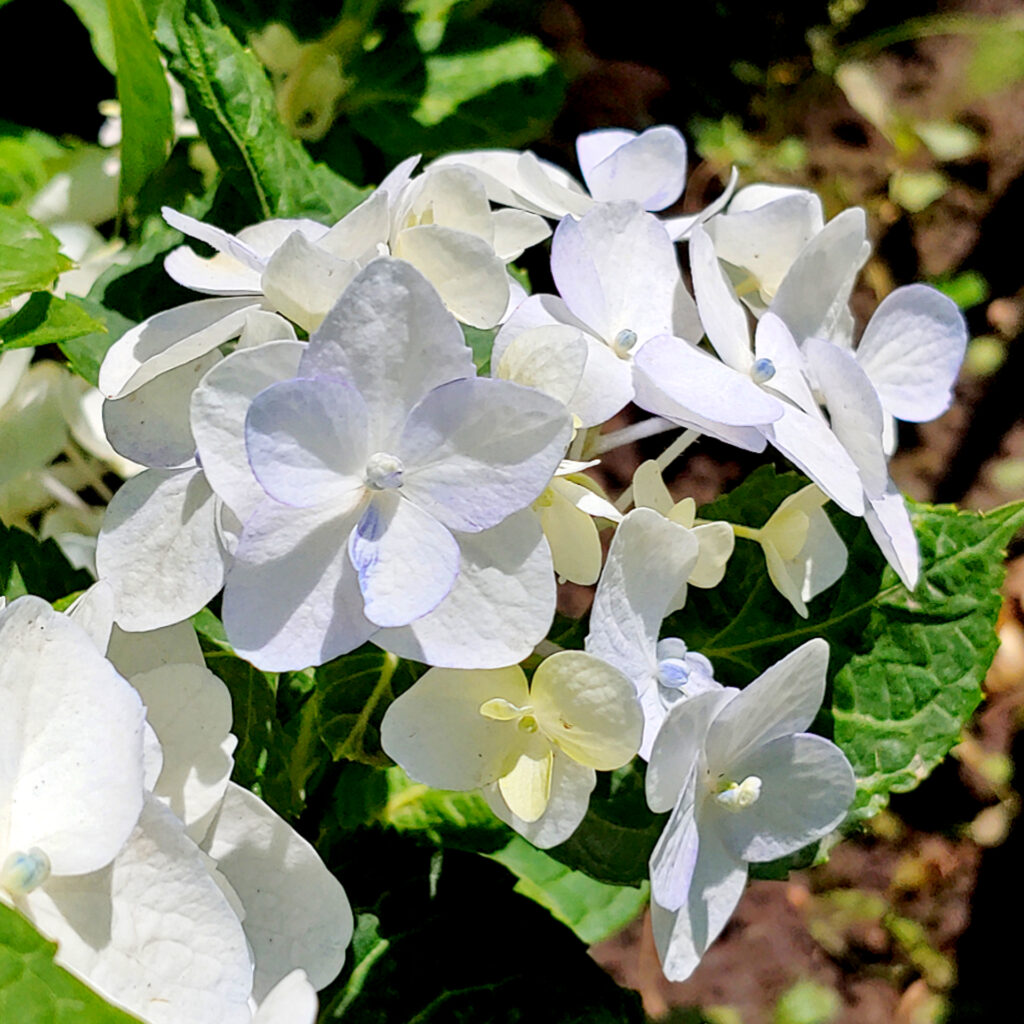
pixel 30 257
pixel 899 706
pixel 233 103
pixel 34 990
pixel 85 353
pixel 47 320
pixel 593 910
pixel 147 132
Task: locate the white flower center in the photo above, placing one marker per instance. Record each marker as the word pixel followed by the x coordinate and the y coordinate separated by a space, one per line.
pixel 23 872
pixel 738 796
pixel 624 343
pixel 762 371
pixel 384 471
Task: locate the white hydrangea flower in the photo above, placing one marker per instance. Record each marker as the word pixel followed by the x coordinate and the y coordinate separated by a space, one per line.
pixel 381 455
pixel 644 578
pixel 619 286
pixel 744 782
pixel 532 748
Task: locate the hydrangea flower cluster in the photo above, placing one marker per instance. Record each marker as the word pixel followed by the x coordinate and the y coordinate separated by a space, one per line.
pixel 321 448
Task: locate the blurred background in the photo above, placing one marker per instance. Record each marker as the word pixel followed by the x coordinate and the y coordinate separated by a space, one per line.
pixel 913 110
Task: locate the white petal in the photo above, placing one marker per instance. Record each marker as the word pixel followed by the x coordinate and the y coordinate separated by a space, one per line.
pixel 190 710
pixel 812 299
pixel 71 780
pixel 515 231
pixel 164 519
pixel 219 406
pixel 807 786
pixel 94 610
pixel 292 598
pixel 717 542
pixel 808 442
pixel 571 786
pixel 617 270
pixel 306 442
pixel 649 169
pixel 215 237
pixel 889 522
pixel 772 340
pixel 912 349
pixel 465 270
pixel 393 536
pixel 390 337
pixel 721 313
pixel 648 559
pixel 150 424
pixel 361 230
pixel 476 450
pixel 499 609
pixel 436 732
pixel 679 228
pixel 548 189
pixel 550 359
pixel 572 534
pixel 674 857
pixel 715 890
pixel 133 653
pixel 291 1001
pixel 153 932
pixel 782 700
pixel 170 339
pixel 296 912
pixel 697 381
pixel 303 282
pixel 854 409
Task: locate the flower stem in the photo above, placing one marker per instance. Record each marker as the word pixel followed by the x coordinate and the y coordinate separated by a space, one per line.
pixel 629 434
pixel 664 460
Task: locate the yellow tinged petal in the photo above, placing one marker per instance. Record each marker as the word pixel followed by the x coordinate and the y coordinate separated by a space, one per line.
pixel 588 709
pixel 717 541
pixel 782 580
pixel 787 532
pixel 572 536
pixel 527 788
pixel 649 490
pixel 684 513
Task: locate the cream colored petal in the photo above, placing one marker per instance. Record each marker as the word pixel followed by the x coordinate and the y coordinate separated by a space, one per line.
pixel 527 788
pixel 716 546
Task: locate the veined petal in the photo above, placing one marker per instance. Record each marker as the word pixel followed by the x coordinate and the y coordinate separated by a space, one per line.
pixel 572 534
pixel 588 709
pixel 219 406
pixel 782 700
pixel 912 349
pixel 500 607
pixel 550 359
pixel 391 338
pixel 307 442
pixel 476 450
pixel 807 786
pixel 166 519
pixel 392 537
pixel 296 912
pixel 674 857
pixel 526 788
pixel 292 598
pixel 436 732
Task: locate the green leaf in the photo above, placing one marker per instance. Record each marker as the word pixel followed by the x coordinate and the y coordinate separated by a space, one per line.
pixel 24 158
pixel 30 257
pixel 353 692
pixel 34 990
pixel 481 342
pixel 442 817
pixel 233 102
pixel 85 353
pixel 95 16
pixel 46 320
pixel 592 909
pixel 31 566
pixel 967 289
pixel 147 120
pixel 899 706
